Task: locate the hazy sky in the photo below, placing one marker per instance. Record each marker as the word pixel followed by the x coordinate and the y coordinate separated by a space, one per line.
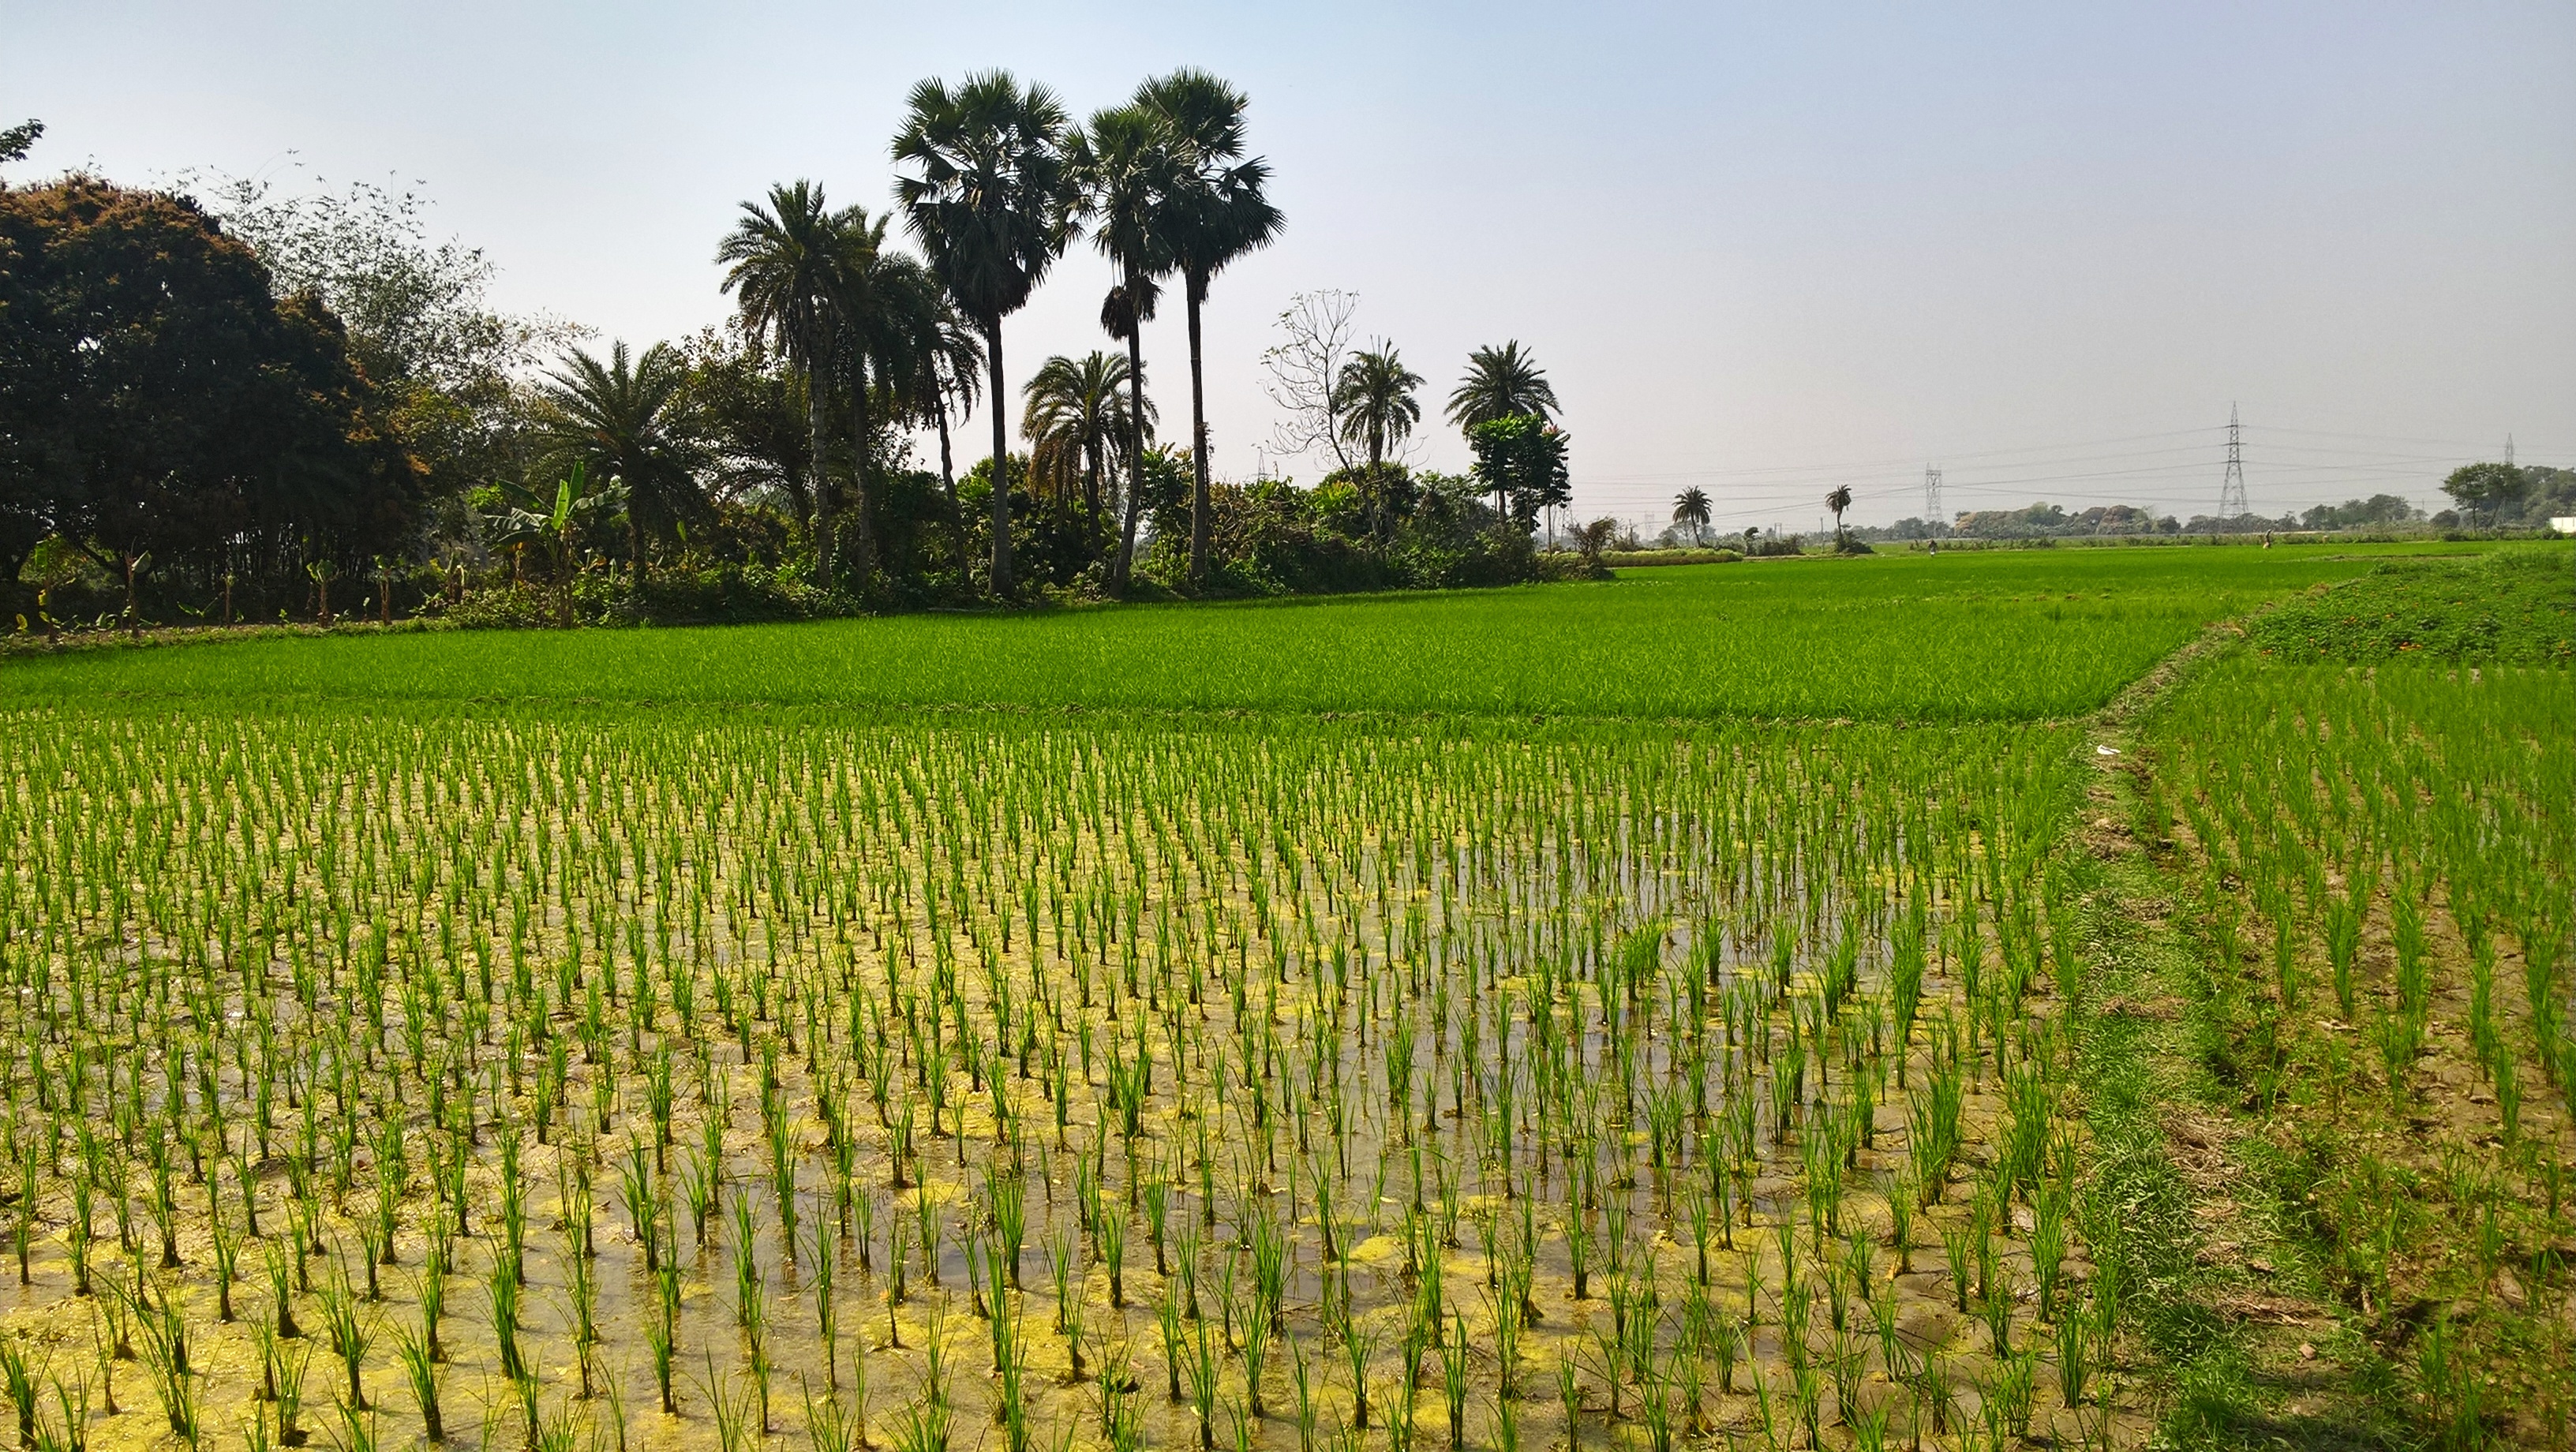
pixel 1759 249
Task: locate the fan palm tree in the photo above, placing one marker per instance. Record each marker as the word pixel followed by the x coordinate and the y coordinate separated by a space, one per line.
pixel 1221 213
pixel 1374 400
pixel 1130 174
pixel 1838 501
pixel 786 265
pixel 624 420
pixel 988 200
pixel 1499 383
pixel 1078 425
pixel 1690 507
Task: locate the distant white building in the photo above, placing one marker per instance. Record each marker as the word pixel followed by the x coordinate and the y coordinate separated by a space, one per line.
pixel 2563 523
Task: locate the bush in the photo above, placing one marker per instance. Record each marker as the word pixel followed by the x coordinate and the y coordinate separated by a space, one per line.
pixel 1640 559
pixel 712 595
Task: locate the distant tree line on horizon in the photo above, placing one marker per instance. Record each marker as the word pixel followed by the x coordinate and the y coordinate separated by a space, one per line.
pixel 2486 496
pixel 223 404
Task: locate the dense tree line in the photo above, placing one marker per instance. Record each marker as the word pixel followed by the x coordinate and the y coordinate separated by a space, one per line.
pixel 230 404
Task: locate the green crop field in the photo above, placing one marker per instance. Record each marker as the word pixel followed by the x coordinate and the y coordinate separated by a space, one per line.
pixel 2006 635
pixel 730 1040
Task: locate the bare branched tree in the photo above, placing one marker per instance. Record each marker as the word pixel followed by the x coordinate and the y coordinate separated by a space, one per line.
pixel 1304 366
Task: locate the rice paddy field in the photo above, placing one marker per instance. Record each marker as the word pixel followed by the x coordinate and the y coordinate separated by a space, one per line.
pixel 2004 635
pixel 854 1036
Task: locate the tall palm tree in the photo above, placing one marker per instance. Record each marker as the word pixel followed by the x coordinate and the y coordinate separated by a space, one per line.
pixel 989 202
pixel 1838 501
pixel 786 266
pixel 940 381
pixel 885 319
pixel 1130 173
pixel 955 377
pixel 1691 507
pixel 624 420
pixel 1499 383
pixel 1375 402
pixel 1078 425
pixel 1222 212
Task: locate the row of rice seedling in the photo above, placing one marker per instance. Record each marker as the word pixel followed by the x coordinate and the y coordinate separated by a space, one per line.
pixel 2381 863
pixel 715 1079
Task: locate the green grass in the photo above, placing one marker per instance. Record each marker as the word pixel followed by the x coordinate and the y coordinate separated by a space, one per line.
pixel 1993 636
pixel 2514 607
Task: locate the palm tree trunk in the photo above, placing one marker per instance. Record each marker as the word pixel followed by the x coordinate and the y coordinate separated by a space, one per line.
pixel 1091 484
pixel 815 431
pixel 1001 459
pixel 1135 450
pixel 864 545
pixel 1374 495
pixel 948 481
pixel 1199 505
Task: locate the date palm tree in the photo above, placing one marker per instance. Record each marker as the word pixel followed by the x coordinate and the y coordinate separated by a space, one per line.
pixel 624 419
pixel 1374 400
pixel 786 265
pixel 1838 501
pixel 886 318
pixel 951 376
pixel 1130 175
pixel 1078 426
pixel 988 198
pixel 1690 507
pixel 1499 383
pixel 1222 212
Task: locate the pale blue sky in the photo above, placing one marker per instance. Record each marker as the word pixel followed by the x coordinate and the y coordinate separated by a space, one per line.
pixel 1762 250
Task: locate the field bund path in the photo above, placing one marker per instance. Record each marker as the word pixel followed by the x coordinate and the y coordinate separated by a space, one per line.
pixel 2008 635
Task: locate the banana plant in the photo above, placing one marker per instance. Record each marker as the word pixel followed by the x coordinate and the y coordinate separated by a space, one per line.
pixel 555 526
pixel 135 565
pixel 322 573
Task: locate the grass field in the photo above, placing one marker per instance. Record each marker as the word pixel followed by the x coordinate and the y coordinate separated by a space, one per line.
pixel 2516 607
pixel 511 1040
pixel 2002 635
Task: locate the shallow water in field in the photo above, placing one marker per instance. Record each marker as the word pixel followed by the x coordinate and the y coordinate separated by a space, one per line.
pixel 1404 1025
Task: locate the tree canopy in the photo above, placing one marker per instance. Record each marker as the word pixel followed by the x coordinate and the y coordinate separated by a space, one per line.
pixel 157 398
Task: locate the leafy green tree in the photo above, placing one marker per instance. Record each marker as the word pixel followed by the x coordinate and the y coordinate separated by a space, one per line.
pixel 1222 213
pixel 1500 383
pixel 1130 175
pixel 1375 402
pixel 1690 508
pixel 157 399
pixel 1521 461
pixel 1078 427
pixel 788 265
pixel 990 199
pixel 2490 489
pixel 446 364
pixel 748 413
pixel 624 421
pixel 16 141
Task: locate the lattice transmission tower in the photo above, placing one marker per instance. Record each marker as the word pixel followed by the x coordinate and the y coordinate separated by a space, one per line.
pixel 1932 514
pixel 2231 490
